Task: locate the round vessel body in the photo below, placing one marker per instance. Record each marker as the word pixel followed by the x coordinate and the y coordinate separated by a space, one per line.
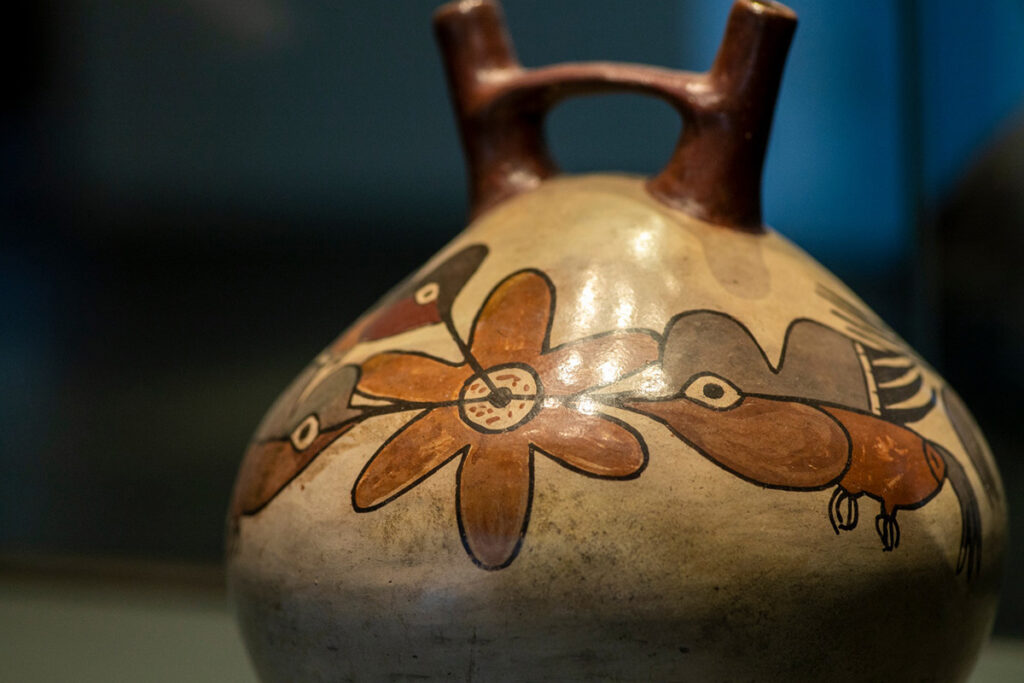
pixel 596 438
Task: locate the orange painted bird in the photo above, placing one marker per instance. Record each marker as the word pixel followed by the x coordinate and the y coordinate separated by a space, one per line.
pixel 818 420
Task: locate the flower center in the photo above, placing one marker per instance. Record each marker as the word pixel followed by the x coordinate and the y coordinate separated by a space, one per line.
pixel 509 397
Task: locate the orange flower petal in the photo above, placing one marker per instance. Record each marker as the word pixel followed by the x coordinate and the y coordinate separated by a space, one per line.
pixel 598 445
pixel 413 377
pixel 512 325
pixel 494 499
pixel 595 361
pixel 411 455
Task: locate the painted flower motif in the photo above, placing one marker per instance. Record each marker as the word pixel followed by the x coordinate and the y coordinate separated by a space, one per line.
pixel 514 396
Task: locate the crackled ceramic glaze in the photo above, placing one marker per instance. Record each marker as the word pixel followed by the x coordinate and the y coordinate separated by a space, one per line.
pixel 606 434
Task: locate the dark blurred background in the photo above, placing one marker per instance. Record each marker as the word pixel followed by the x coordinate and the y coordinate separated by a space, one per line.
pixel 195 197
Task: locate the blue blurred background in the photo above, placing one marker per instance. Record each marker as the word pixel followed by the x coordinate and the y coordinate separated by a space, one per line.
pixel 196 196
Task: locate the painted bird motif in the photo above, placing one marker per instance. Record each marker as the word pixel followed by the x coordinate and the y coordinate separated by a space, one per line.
pixel 818 420
pixel 316 408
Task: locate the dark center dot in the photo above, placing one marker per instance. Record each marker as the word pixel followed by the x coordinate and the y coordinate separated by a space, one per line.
pixel 304 432
pixel 714 390
pixel 500 397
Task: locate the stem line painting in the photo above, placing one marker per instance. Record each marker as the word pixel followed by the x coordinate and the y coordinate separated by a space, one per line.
pixel 833 414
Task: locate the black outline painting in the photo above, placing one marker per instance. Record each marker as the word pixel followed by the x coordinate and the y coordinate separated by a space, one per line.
pixel 832 414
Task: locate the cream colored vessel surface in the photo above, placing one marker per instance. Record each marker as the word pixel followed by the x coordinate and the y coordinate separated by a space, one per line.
pixel 685 566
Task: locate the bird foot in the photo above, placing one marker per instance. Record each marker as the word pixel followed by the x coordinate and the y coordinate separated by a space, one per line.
pixel 843 510
pixel 888 530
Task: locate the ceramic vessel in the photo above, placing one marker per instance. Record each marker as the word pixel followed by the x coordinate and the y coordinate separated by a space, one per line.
pixel 617 429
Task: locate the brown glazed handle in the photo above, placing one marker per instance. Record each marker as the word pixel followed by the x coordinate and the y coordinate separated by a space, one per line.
pixel 715 171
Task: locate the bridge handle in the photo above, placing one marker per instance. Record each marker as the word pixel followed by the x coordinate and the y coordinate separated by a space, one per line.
pixel 715 171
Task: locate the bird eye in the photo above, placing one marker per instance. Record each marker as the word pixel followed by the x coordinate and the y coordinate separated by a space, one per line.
pixel 712 391
pixel 306 433
pixel 427 293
